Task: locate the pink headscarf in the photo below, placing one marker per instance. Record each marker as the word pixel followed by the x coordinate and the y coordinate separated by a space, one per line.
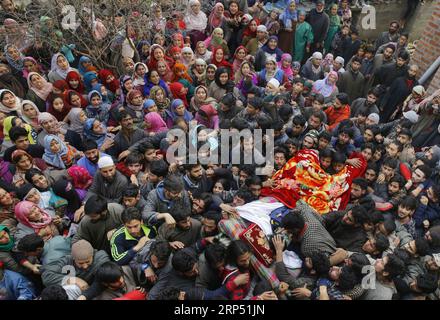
pixel 22 211
pixel 45 91
pixel 156 122
pixel 81 178
pixel 25 72
pixel 287 71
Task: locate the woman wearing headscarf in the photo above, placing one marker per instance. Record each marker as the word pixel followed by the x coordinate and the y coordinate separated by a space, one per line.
pixel 81 179
pixel 31 65
pixel 143 48
pixel 202 52
pixel 135 107
pixel 65 189
pixel 164 71
pixel 250 31
pixel 154 123
pixel 75 82
pixel 23 162
pixel 176 110
pixel 327 63
pixel 39 90
pixel 60 67
pixel 97 108
pixel 286 65
pixel 217 40
pixel 45 198
pixel 218 59
pixel 10 259
pixel 76 119
pixel 200 98
pixel 198 72
pixel 179 91
pixel 109 80
pixel 9 103
pixel 157 53
pixel 140 70
pixel 245 74
pixel 10 82
pixel 335 25
pixel 14 58
pixel 60 87
pixel 90 79
pixel 208 116
pixel 180 72
pixel 233 25
pixel 84 65
pixel 288 20
pixel 51 125
pixel 327 87
pixel 57 154
pixel 158 95
pixel 73 99
pixel 196 21
pixel 240 56
pixel 29 113
pixel 222 84
pixel 271 71
pixel 270 49
pixel 153 79
pixel 95 130
pixel 33 219
pixel 217 18
pixel 187 57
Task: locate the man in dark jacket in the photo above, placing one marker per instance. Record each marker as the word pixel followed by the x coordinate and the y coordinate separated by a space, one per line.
pixel 346 227
pixel 320 22
pixel 392 35
pixel 127 136
pixel 108 182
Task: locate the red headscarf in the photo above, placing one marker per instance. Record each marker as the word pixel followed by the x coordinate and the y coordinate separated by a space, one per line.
pixel 61 85
pixel 73 75
pixel 178 35
pixel 67 102
pixel 248 33
pixel 222 63
pixel 81 178
pixel 57 114
pixel 152 62
pixel 176 88
pixel 112 86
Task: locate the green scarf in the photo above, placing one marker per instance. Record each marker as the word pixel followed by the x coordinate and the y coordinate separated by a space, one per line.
pixel 8 246
pixel 335 20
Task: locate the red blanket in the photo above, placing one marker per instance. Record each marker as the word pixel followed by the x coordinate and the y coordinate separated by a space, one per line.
pixel 303 178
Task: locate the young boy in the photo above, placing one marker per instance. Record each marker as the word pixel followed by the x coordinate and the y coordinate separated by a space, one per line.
pixel 428 211
pixel 158 172
pixel 387 171
pixel 405 212
pixel 324 140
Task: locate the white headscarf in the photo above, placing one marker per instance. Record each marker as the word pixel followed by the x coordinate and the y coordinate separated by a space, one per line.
pixel 26 118
pixel 55 68
pixel 195 21
pixel 42 93
pixel 7 110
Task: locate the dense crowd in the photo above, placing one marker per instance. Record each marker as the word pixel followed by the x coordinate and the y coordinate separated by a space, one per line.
pixel 94 206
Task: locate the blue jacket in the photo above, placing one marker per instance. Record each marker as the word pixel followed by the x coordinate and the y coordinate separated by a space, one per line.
pixel 430 212
pixel 17 286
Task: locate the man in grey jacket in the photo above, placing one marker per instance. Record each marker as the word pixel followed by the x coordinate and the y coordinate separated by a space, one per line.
pixel 162 199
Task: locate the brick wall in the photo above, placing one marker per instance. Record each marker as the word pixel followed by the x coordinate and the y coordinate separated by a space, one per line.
pixel 428 47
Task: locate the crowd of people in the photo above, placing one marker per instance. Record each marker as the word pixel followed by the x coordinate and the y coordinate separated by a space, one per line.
pixel 91 206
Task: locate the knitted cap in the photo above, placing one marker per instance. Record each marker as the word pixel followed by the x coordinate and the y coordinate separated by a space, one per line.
pixel 82 250
pixel 374 117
